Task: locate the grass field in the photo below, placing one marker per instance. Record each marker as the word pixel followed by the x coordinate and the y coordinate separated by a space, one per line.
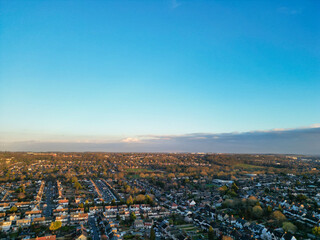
pixel 137 170
pixel 193 231
pixel 248 166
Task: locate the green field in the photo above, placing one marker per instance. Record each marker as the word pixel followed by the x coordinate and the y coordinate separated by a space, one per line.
pixel 136 170
pixel 248 166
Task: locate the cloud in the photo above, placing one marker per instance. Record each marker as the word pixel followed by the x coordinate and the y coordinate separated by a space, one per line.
pixel 175 4
pixel 305 140
pixel 130 140
pixel 316 125
pixel 288 11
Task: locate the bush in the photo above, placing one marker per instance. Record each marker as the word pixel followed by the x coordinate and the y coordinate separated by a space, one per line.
pixel 289 227
pixel 55 225
pixel 257 211
pixel 278 216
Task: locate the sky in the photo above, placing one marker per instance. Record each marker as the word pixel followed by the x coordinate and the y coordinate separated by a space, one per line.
pixel 165 75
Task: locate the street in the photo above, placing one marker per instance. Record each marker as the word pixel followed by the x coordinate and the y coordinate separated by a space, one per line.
pixel 94 228
pixel 49 196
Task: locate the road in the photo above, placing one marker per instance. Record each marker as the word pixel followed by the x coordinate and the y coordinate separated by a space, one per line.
pixel 49 197
pixel 94 228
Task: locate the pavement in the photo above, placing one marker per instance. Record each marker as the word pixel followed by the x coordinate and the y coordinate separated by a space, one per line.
pixel 94 228
pixel 49 197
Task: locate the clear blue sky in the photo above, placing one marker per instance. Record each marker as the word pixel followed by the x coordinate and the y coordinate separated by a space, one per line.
pixel 121 69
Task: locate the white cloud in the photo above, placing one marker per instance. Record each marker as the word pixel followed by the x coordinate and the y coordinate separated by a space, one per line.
pixel 130 140
pixel 316 125
pixel 288 11
pixel 175 4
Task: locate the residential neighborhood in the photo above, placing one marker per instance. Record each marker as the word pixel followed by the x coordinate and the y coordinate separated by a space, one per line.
pixel 159 196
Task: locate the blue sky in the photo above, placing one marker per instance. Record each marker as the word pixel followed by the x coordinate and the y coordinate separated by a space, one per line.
pixel 107 71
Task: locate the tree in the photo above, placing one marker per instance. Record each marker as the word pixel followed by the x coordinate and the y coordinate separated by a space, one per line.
pixel 252 200
pixel 74 179
pixel 103 205
pixel 152 234
pixel 127 189
pixel 148 199
pixel 232 193
pixel 120 175
pixel 77 185
pixel 223 189
pixel 210 233
pixel 129 200
pixel 55 225
pixel 289 227
pixel 234 187
pixel 226 238
pixel 301 197
pixel 140 198
pixel 269 210
pixel 228 203
pixel 257 211
pixel 86 206
pixel 278 216
pixel 13 209
pixel 21 189
pixel 133 216
pixel 171 175
pixel 204 173
pixel 142 175
pixel 316 231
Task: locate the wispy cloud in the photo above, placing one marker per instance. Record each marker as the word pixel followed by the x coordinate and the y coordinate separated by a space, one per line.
pixel 288 11
pixel 175 4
